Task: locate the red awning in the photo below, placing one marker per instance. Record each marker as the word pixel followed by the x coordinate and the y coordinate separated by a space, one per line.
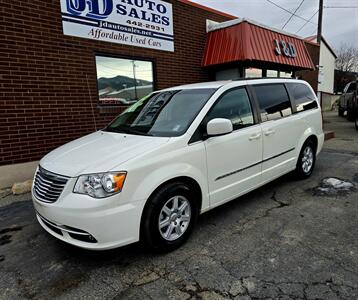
pixel 246 41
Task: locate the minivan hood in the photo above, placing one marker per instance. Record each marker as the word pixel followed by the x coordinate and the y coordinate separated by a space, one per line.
pixel 98 152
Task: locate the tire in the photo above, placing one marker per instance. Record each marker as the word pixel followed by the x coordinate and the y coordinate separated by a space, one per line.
pixel 160 240
pixel 340 112
pixel 350 115
pixel 307 154
pixel 356 123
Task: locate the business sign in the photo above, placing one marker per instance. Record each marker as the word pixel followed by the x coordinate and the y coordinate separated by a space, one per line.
pixel 142 23
pixel 285 48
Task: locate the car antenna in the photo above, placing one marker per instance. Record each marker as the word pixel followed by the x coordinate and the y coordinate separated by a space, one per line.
pixel 90 98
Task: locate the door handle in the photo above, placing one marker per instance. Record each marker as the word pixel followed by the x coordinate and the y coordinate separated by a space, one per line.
pixel 255 136
pixel 269 132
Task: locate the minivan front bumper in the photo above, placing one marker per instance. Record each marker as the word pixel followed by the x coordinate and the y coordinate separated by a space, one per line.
pixel 98 224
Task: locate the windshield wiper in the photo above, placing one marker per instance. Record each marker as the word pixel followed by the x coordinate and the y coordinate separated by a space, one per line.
pixel 128 131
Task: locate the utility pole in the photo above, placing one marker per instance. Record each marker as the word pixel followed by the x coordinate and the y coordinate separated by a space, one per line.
pixel 320 16
pixel 135 80
pixel 319 39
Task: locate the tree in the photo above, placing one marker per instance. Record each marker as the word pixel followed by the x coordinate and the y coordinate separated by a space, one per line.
pixel 347 58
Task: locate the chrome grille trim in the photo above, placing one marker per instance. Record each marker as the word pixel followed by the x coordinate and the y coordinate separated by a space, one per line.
pixel 48 186
pixel 74 233
pixel 63 227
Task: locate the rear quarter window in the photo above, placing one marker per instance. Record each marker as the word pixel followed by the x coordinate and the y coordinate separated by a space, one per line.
pixel 303 97
pixel 352 87
pixel 273 101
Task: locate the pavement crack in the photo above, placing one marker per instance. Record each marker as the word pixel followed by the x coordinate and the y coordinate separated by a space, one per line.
pixel 280 203
pixel 340 151
pixel 198 289
pixel 266 212
pixel 5 194
pixel 305 286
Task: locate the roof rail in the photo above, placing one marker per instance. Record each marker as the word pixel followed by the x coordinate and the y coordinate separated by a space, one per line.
pixel 255 78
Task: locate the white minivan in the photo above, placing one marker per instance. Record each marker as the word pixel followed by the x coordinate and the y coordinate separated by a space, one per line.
pixel 173 155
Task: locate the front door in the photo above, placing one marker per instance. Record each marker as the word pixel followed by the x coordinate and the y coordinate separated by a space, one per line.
pixel 234 160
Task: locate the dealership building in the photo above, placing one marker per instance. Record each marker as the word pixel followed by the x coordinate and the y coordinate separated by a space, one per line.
pixel 68 67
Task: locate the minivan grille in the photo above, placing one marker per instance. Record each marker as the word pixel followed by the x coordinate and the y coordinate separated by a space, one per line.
pixel 48 186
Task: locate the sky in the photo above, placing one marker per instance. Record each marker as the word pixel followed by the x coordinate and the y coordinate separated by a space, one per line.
pixel 111 67
pixel 340 25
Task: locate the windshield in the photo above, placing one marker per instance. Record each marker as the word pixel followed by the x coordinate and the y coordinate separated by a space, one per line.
pixel 165 114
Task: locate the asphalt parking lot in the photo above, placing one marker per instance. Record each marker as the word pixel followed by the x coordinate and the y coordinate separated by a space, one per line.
pixel 288 240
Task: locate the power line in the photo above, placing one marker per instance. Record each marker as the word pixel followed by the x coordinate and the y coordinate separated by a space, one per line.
pixel 289 19
pixel 340 6
pixel 290 12
pixel 307 22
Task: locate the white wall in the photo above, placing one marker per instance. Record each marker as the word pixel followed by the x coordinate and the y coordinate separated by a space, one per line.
pixel 327 63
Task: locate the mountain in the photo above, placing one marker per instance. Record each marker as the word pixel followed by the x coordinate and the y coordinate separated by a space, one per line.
pixel 119 82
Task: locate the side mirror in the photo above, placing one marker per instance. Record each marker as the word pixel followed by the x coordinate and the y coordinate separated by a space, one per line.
pixel 219 126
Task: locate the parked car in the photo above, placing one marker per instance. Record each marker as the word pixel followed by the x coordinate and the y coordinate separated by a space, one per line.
pixel 174 155
pixel 348 101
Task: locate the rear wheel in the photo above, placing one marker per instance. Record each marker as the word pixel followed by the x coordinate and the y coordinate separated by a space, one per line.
pixel 306 161
pixel 169 217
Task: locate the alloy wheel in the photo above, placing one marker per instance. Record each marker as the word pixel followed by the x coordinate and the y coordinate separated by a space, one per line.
pixel 307 160
pixel 174 218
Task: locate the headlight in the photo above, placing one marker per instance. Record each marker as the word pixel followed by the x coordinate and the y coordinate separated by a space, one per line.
pixel 100 185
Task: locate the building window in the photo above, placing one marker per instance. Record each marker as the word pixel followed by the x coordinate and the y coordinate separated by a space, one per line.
pixel 123 81
pixel 271 73
pixel 252 72
pixel 285 74
pixel 229 74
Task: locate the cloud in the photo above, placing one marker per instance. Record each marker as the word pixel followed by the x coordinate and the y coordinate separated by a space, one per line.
pixel 339 25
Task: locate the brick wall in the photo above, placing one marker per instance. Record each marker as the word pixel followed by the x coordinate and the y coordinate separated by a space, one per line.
pixel 48 84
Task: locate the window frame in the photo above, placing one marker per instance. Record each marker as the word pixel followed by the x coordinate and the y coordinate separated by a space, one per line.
pixel 222 96
pixel 200 132
pixel 175 92
pixel 293 99
pixel 257 103
pixel 128 57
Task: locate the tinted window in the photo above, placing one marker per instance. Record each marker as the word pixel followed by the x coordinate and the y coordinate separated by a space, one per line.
pixel 352 87
pixel 235 106
pixel 304 99
pixel 273 100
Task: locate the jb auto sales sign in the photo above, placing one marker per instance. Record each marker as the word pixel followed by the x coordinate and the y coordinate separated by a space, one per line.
pixel 142 23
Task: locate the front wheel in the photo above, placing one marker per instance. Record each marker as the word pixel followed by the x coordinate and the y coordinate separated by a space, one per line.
pixel 169 217
pixel 340 112
pixel 350 115
pixel 306 160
